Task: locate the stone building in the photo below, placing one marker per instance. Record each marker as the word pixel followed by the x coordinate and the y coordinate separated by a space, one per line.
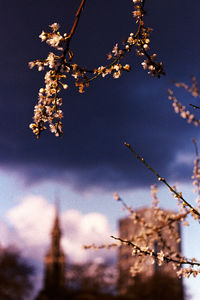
pixel 135 232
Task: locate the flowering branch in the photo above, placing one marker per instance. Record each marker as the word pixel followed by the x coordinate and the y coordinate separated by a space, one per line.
pixel 144 251
pixel 140 40
pixel 193 89
pixel 160 256
pixel 179 108
pixel 48 108
pixel 49 104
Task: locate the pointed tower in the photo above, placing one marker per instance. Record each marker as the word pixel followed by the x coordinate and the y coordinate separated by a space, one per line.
pixel 54 276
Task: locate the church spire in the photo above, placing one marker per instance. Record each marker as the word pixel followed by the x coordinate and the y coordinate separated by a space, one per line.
pixel 54 280
pixel 56 231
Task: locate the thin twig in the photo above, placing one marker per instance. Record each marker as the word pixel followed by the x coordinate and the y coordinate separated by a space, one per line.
pixel 194 106
pixel 73 29
pixel 160 178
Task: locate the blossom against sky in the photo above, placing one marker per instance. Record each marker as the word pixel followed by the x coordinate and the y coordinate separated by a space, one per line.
pixel 89 163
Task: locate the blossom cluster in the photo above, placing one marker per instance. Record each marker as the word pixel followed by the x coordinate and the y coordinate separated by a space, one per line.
pixel 115 69
pixel 187 272
pixel 146 255
pixel 48 108
pixel 193 89
pixel 181 109
pixel 140 40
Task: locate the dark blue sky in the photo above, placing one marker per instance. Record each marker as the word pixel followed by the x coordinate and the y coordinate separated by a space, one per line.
pixel 134 108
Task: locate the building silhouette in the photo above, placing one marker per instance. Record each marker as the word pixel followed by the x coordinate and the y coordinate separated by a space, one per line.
pixel 148 271
pixel 54 283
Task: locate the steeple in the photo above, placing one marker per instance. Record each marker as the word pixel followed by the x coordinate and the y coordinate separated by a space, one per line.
pixel 54 279
pixel 56 233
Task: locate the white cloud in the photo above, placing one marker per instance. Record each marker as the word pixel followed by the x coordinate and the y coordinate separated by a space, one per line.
pixel 82 230
pixel 32 220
